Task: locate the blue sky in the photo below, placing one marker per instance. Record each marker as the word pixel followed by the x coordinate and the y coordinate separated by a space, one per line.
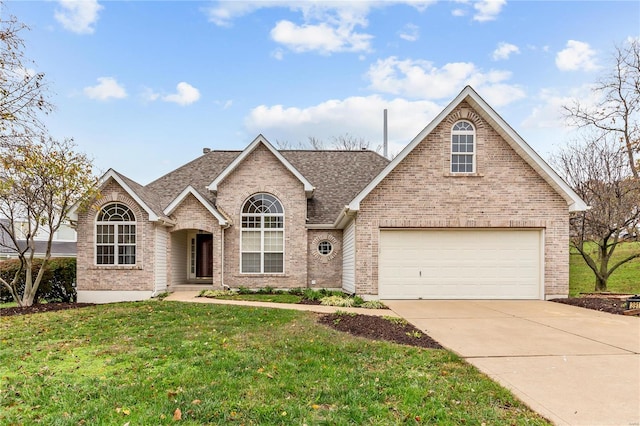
pixel 143 86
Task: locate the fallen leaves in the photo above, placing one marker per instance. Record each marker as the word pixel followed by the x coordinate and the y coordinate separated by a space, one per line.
pixel 177 415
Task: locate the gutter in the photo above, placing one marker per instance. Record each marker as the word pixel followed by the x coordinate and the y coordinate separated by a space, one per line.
pixel 345 216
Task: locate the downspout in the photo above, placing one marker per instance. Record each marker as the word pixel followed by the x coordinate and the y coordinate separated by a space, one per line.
pixel 222 259
pixel 224 286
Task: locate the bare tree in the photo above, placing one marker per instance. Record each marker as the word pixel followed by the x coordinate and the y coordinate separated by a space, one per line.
pixel 348 142
pixel 618 110
pixel 344 142
pixel 599 172
pixel 23 92
pixel 315 143
pixel 39 184
pixel 283 144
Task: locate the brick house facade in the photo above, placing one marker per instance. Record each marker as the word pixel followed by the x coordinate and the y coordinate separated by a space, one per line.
pixel 342 219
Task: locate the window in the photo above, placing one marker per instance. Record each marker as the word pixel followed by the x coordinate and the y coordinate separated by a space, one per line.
pixel 116 236
pixel 463 148
pixel 325 248
pixel 262 239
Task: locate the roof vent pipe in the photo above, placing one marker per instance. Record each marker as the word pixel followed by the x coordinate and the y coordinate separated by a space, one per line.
pixel 385 142
pixel 206 150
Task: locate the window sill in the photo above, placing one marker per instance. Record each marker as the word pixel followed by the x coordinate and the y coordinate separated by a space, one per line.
pixel 261 275
pixel 475 174
pixel 117 267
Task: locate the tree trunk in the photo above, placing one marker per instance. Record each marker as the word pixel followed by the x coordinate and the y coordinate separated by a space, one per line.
pixel 603 275
pixel 601 283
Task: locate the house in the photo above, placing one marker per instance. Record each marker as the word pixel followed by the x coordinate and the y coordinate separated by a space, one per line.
pixel 63 243
pixel 466 211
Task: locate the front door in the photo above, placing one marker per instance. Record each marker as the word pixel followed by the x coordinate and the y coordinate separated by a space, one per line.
pixel 201 254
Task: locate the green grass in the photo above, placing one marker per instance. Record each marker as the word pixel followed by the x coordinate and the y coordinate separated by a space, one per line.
pixel 136 363
pixel 626 279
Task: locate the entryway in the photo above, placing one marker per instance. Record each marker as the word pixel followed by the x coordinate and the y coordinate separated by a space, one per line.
pixel 191 259
pixel 200 256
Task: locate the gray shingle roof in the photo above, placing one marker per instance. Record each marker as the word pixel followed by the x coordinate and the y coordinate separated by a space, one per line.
pixel 337 176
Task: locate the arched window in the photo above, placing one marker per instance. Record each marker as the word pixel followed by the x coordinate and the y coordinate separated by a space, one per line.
pixel 463 148
pixel 262 239
pixel 115 235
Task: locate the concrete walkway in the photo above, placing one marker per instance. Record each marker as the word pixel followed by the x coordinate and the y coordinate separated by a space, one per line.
pixel 192 296
pixel 572 365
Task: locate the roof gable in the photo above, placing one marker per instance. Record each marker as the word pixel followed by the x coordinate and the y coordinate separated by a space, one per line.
pixel 514 140
pixel 308 188
pixel 136 191
pixel 190 190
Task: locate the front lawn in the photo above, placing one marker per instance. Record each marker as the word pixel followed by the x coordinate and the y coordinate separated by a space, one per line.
pixel 156 362
pixel 626 279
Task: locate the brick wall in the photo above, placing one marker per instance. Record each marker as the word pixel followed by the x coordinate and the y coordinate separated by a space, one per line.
pixel 261 172
pixel 325 270
pixel 505 192
pixel 124 278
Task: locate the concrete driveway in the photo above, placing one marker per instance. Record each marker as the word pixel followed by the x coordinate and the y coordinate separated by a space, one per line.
pixel 572 365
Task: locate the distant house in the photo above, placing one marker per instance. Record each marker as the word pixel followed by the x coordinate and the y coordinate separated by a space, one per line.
pixel 467 210
pixel 63 244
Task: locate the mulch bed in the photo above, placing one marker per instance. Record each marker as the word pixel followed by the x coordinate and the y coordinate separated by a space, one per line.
pixel 379 328
pixel 45 307
pixel 613 305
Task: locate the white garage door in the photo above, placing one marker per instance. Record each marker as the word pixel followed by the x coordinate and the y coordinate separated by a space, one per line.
pixel 460 264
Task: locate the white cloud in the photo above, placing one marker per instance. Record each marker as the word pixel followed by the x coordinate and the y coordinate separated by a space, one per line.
pixel 223 13
pixel 149 95
pixel 487 10
pixel 548 112
pixel 359 116
pixel 186 94
pixel 107 88
pixel 410 32
pixel 421 79
pixel 325 27
pixel 322 38
pixel 458 12
pixel 78 16
pixel 278 54
pixel 504 50
pixel 576 56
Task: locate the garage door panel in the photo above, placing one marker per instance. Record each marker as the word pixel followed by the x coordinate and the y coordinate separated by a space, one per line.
pixel 468 264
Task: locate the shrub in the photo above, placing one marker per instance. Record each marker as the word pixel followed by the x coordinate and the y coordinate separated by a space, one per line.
pixel 342 301
pixel 396 320
pixel 214 293
pixel 296 291
pixel 311 294
pixel 373 304
pixel 162 296
pixel 57 282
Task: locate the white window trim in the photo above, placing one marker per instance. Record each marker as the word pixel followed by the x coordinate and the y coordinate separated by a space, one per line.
pixel 262 230
pixel 115 239
pixel 472 153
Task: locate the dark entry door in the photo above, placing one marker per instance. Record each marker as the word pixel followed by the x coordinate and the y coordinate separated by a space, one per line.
pixel 204 255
